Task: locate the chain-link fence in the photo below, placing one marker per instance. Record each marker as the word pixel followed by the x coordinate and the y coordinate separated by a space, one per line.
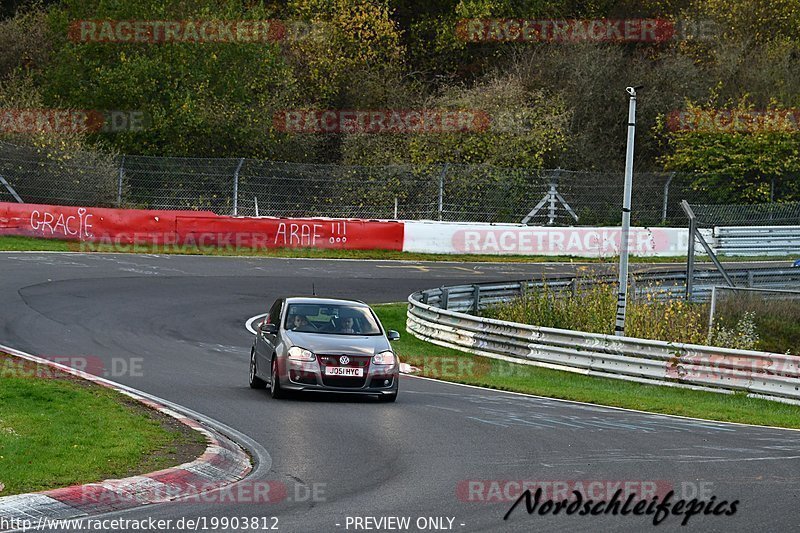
pixel 268 188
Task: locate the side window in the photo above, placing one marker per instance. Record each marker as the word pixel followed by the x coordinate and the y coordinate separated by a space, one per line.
pixel 274 316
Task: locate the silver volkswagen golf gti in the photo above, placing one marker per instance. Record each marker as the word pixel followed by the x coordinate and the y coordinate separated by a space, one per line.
pixel 323 344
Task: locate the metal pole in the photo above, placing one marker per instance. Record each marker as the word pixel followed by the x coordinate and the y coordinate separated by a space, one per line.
pixel 711 312
pixel 236 187
pixel 690 258
pixel 622 296
pixel 666 199
pixel 119 181
pixel 395 208
pixel 11 190
pixel 441 188
pixel 255 201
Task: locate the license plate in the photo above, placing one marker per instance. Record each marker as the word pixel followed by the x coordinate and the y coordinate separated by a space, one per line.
pixel 344 371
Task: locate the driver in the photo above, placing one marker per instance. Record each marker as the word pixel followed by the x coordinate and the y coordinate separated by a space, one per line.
pixel 298 322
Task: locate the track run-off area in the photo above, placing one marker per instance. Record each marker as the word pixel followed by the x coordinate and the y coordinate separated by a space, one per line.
pixel 173 327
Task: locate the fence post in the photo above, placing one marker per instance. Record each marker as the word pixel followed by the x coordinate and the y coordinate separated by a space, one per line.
pixel 476 299
pixel 711 314
pixel 442 174
pixel 666 199
pixel 690 250
pixel 445 298
pixel 236 187
pixel 120 179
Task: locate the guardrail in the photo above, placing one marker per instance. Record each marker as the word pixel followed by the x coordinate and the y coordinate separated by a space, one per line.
pixel 440 316
pixel 756 240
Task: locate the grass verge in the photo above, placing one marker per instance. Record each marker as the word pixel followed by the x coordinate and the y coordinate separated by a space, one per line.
pixel 57 430
pixel 461 367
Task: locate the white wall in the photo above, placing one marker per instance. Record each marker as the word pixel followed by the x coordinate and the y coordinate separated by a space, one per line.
pixel 517 239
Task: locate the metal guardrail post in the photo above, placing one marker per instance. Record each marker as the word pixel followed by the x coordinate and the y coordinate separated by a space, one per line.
pixel 445 300
pixel 120 179
pixel 442 175
pixel 690 251
pixel 425 297
pixel 666 198
pixel 711 311
pixel 236 187
pixel 476 299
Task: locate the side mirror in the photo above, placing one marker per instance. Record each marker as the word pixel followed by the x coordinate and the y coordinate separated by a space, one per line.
pixel 270 329
pixel 392 335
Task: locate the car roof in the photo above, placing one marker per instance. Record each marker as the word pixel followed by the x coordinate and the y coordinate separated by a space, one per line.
pixel 324 301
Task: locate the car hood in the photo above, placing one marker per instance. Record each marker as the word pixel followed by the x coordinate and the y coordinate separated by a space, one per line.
pixel 339 344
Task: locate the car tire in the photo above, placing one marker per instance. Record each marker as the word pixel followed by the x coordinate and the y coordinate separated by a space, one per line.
pixel 388 398
pixel 255 381
pixel 275 389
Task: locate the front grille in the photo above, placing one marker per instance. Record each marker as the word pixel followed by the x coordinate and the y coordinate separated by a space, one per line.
pixel 355 361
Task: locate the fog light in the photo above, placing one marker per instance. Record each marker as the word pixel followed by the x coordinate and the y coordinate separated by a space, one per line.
pixel 385 382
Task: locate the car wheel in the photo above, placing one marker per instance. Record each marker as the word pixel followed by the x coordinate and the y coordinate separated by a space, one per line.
pixel 274 382
pixel 388 398
pixel 255 381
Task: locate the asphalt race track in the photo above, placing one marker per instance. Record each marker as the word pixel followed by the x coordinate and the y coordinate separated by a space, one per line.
pixel 179 321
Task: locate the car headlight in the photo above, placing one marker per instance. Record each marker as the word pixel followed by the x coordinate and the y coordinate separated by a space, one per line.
pixel 301 354
pixel 383 358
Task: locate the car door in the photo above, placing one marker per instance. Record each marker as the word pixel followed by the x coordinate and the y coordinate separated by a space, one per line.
pixel 265 342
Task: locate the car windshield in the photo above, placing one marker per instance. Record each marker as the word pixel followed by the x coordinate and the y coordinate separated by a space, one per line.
pixel 335 319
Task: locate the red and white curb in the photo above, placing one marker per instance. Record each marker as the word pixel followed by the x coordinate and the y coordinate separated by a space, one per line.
pixel 223 463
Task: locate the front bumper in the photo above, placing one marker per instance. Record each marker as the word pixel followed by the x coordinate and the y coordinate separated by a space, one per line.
pixel 308 376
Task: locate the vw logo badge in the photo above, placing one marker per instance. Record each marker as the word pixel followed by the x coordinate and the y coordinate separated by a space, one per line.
pixel 343 360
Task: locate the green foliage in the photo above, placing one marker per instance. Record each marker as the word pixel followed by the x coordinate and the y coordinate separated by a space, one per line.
pixel 525 128
pixel 196 96
pixel 565 101
pixel 591 308
pixel 736 166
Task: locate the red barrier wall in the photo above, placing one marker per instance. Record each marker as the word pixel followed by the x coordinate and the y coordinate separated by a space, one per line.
pixel 193 228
